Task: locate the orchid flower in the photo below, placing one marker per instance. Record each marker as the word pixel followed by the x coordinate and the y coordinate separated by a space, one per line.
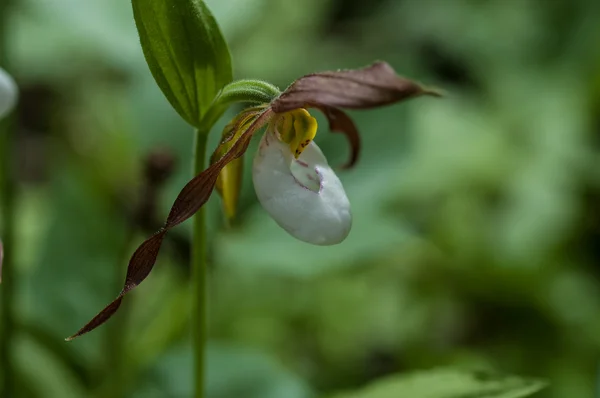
pixel 8 100
pixel 292 178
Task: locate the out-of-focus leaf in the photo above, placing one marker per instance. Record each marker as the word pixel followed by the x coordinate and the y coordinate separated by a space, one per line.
pixel 80 277
pixel 185 51
pixel 234 372
pixel 449 383
pixel 43 373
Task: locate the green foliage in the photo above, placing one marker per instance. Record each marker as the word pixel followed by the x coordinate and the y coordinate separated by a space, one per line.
pixel 185 51
pixel 449 383
pixel 234 371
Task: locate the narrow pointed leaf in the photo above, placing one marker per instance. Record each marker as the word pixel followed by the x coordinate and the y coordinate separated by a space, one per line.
pixel 185 51
pixel 193 196
pixel 365 88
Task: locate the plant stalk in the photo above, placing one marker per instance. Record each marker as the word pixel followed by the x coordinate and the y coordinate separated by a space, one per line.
pixel 7 232
pixel 199 276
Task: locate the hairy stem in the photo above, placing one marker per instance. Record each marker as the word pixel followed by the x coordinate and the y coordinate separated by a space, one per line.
pixel 199 276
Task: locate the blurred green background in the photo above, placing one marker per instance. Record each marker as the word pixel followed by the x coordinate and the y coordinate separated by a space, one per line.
pixel 476 234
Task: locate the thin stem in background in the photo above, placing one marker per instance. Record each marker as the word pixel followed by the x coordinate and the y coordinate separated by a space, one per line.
pixel 7 232
pixel 115 337
pixel 199 277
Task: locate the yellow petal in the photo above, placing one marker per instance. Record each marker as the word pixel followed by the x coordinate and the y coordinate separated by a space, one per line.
pixel 229 181
pixel 229 185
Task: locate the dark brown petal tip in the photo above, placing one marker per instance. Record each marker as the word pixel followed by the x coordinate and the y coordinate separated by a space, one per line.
pixel 193 196
pixel 370 87
pixel 139 267
pixel 340 122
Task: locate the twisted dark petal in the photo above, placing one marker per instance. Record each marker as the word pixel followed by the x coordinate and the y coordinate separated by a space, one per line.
pixel 140 265
pixel 340 122
pixel 370 87
pixel 99 319
pixel 142 261
pixel 199 189
pixel 193 196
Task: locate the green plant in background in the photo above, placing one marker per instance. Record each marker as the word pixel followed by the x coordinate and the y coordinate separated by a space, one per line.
pixel 8 100
pixel 190 62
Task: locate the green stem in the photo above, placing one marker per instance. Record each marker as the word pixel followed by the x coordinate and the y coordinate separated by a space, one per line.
pixel 7 234
pixel 199 276
pixel 116 332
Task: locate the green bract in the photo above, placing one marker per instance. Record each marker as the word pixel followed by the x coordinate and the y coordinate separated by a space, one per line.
pixel 185 51
pixel 253 91
pixel 247 90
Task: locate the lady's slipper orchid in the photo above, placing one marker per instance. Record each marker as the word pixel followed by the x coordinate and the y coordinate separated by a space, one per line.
pixel 296 186
pixel 291 176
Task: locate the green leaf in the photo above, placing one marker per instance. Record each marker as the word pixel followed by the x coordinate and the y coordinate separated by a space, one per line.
pixel 235 371
pixel 185 51
pixel 449 383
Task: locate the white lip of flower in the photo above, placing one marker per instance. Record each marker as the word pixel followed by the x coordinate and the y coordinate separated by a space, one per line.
pixel 8 93
pixel 303 195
